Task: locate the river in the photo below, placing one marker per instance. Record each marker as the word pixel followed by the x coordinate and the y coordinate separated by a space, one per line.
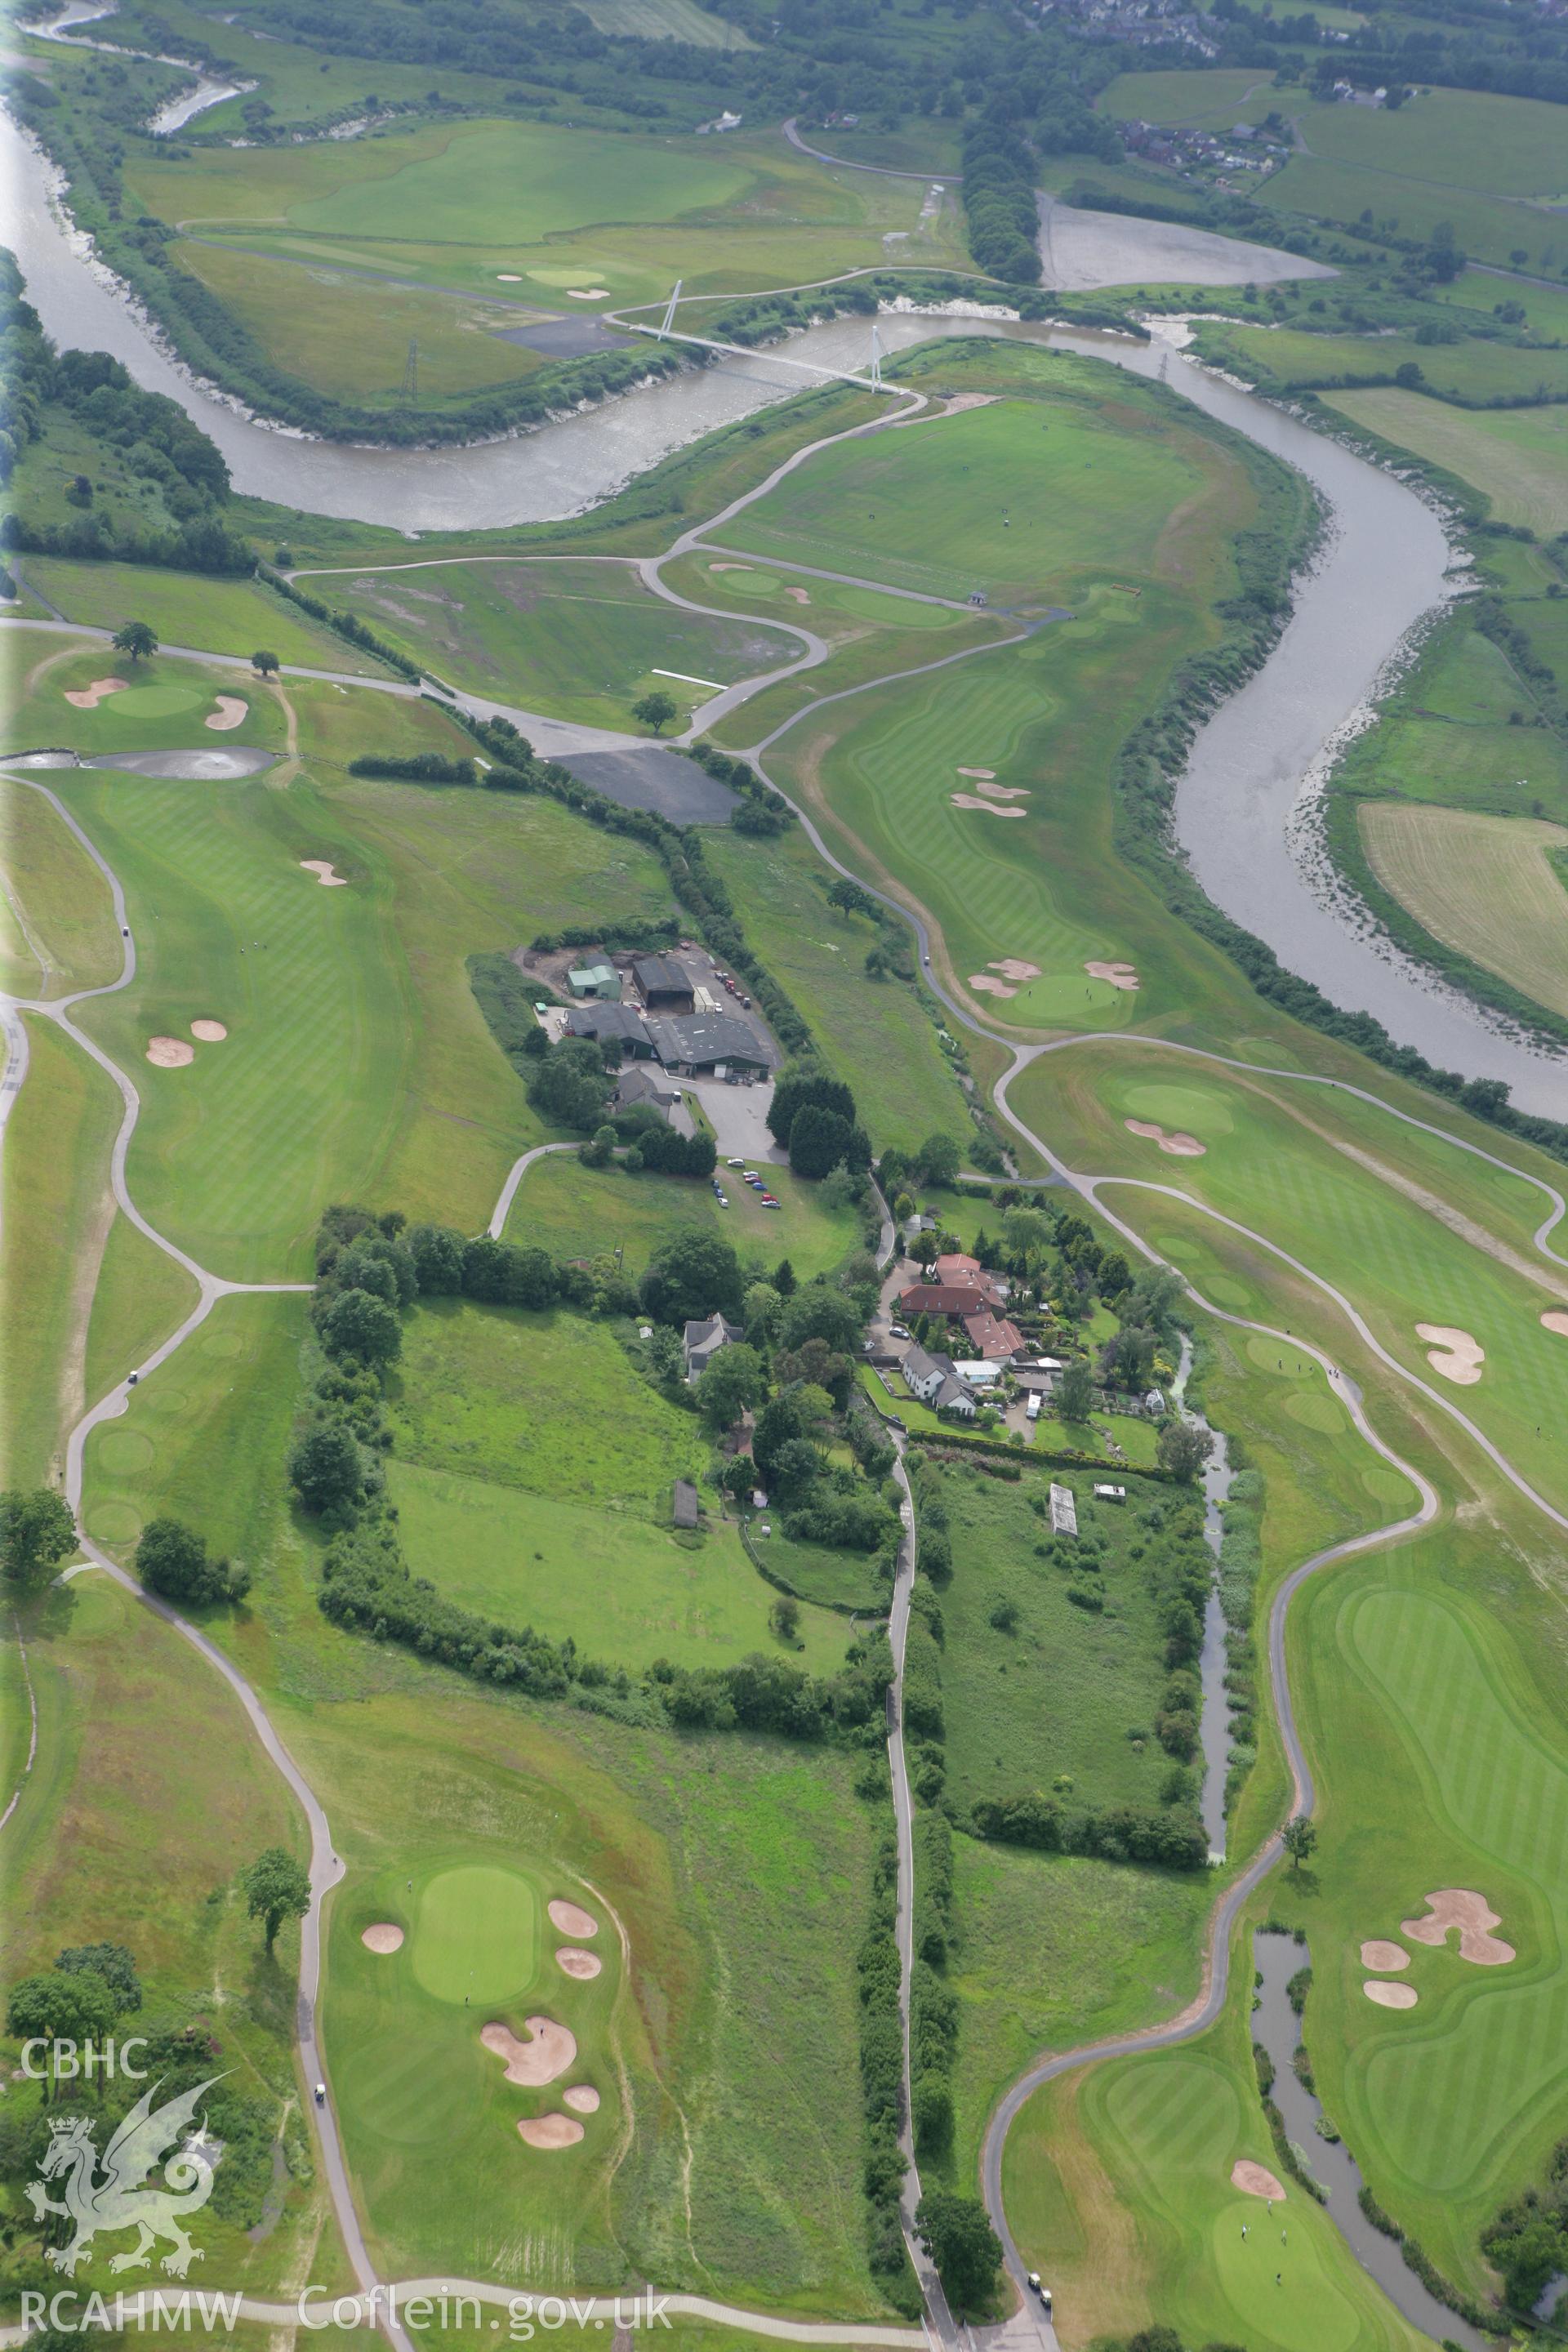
pixel 1254 767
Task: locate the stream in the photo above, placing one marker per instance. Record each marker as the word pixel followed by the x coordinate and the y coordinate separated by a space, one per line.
pixel 1213 1721
pixel 1255 766
pixel 1277 2027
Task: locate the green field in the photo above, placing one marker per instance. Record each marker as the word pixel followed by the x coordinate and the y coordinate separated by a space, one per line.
pixel 1470 370
pixel 1490 887
pixel 1450 736
pixel 1516 457
pixel 575 1212
pixel 187 608
pixel 572 640
pixel 1210 100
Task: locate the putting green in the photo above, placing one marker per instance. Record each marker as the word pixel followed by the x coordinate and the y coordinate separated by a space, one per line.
pixel 478 1934
pixel 1202 1108
pixel 158 701
pixel 1281 2291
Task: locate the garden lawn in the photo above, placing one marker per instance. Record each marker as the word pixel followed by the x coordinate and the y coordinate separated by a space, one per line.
pixel 576 1212
pixel 621 1585
pixel 189 608
pixel 1067 1701
pixel 581 641
pixel 878 1036
pixel 1490 887
pixel 1516 457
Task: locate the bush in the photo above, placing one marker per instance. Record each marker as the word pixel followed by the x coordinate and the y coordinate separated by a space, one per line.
pixel 174 1561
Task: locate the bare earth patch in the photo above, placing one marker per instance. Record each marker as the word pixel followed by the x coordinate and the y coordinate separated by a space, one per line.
pixel 578 1964
pixel 1255 2179
pixel 1461 1907
pixel 1391 1996
pixel 550 2131
pixel 231 709
pixel 211 1032
pixel 322 867
pixel 987 808
pixel 1387 1956
pixel 385 1938
pixel 1556 1320
pixel 1456 1354
pixel 88 697
pixel 581 2098
pixel 170 1052
pixel 1178 1146
pixel 572 1919
pixel 541 2060
pixel 990 985
pixel 1119 975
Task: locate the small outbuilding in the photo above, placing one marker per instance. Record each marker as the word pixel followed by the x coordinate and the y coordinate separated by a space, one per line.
pixel 685 1509
pixel 1064 1511
pixel 595 980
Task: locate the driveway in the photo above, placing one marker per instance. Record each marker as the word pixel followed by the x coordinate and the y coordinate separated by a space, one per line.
pixel 739 1116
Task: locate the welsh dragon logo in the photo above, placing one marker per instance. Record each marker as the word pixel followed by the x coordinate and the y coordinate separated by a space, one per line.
pixel 117 2200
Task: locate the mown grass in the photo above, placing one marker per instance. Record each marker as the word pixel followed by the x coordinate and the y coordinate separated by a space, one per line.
pixel 1068 1699
pixel 55 1209
pixel 1516 457
pixel 1485 885
pixel 1456 732
pixel 61 933
pixel 189 608
pixel 877 1035
pixel 576 1212
pixel 141 1295
pixel 130 721
pixel 578 641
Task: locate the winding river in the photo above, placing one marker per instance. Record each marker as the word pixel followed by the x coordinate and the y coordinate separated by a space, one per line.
pixel 1243 804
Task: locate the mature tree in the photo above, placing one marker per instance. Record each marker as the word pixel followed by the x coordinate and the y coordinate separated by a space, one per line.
pixel 328 1467
pixel 63 2006
pixel 595 1153
pixel 821 1367
pixel 359 1324
pixel 793 1467
pixel 851 899
pixel 392 1256
pixel 137 640
pixel 1075 1392
pixel 1156 1295
pixel 665 1360
pixel 438 1253
pixel 264 664
pixel 37 1532
pixel 783 1279
pixel 1132 1357
pixel 819 1311
pixel 930 2113
pixel 1299 1841
pixel 1182 1448
pixel 1530 2260
pixel 569 1083
pixel 801 1083
pixel 276 1887
pixel 656 710
pixel 738 1477
pixel 958 2236
pixel 730 1385
pixel 820 1141
pixel 693 1275
pixel 532 1278
pixel 759 1311
pixel 925 1249
pixel 1115 1274
pixel 785 1615
pixel 938 1159
pixel 175 1561
pixel 113 1964
pixel 1025 1234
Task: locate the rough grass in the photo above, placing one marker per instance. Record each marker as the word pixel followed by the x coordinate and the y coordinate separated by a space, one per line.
pixel 61 933
pixel 189 608
pixel 576 640
pixel 1471 370
pixel 1452 734
pixel 575 1212
pixel 1485 885
pixel 1517 457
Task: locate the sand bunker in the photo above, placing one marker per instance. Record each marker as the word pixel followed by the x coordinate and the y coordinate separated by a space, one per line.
pixel 989 808
pixel 549 2053
pixel 1459 1906
pixel 799 596
pixel 1458 1355
pixel 989 985
pixel 1384 1955
pixel 572 1919
pixel 90 697
pixel 1556 1320
pixel 581 2098
pixel 1014 968
pixel 211 1032
pixel 578 1964
pixel 987 772
pixel 1179 1146
pixel 1002 791
pixel 587 294
pixel 550 2131
pixel 170 1052
pixel 383 1938
pixel 508 276
pixel 1389 1996
pixel 1255 2179
pixel 231 709
pixel 322 867
pixel 1119 975
pixel 731 567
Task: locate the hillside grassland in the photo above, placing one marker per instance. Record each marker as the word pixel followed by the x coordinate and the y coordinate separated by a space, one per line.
pixel 738 1871
pixel 1516 457
pixel 576 1212
pixel 1067 1699
pixel 877 1035
pixel 1488 886
pixel 579 641
pixel 190 608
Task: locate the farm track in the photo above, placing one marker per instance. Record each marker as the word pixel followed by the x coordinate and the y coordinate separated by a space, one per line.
pixel 1029 2325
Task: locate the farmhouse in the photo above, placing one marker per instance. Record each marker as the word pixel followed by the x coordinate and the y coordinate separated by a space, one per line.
pixel 638 1089
pixel 664 984
pixel 989 1337
pixel 931 1379
pixel 955 1300
pixel 700 1342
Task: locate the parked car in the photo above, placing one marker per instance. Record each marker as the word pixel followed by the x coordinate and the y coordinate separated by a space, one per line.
pixel 735 1163
pixel 897 1331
